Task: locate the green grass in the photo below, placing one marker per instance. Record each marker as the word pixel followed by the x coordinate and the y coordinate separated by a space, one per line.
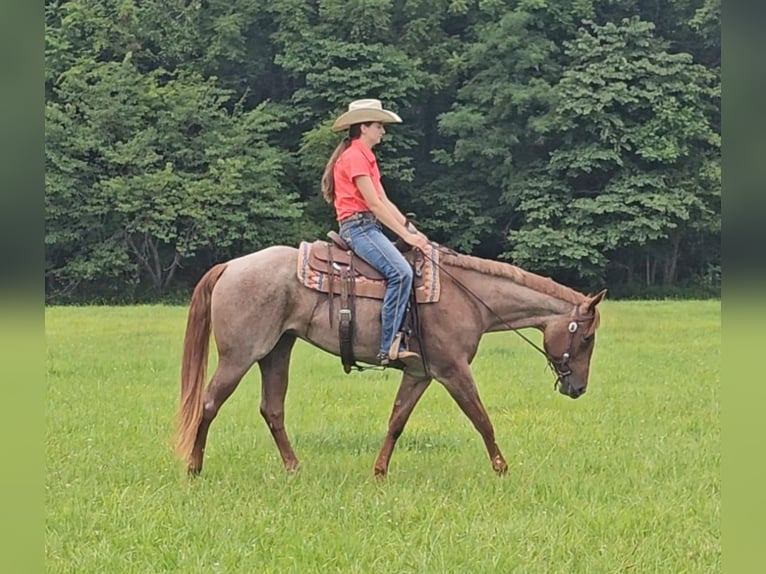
pixel 625 479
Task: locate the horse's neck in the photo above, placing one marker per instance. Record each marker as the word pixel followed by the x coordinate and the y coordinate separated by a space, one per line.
pixel 513 306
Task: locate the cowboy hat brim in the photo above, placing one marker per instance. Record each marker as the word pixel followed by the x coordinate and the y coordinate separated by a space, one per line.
pixel 359 116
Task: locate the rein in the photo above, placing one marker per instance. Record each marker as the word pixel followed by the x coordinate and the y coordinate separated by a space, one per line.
pixel 560 368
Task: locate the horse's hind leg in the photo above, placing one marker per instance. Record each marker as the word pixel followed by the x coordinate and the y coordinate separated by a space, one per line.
pixel 223 382
pixel 408 395
pixel 274 374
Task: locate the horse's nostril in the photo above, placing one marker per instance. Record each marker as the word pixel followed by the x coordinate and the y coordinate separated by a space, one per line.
pixel 577 392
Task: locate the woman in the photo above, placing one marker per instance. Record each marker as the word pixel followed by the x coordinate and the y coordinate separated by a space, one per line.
pixel 351 182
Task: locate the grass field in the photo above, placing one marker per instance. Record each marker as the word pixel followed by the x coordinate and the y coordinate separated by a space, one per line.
pixel 625 479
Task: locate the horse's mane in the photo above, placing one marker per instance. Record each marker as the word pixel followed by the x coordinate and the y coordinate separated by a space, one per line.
pixel 518 275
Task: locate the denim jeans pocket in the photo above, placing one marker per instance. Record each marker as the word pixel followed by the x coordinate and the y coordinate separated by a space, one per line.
pixel 345 235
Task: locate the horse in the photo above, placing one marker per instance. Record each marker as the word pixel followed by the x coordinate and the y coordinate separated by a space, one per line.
pixel 256 308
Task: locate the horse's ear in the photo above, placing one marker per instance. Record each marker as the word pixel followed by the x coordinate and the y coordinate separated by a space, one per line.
pixel 595 300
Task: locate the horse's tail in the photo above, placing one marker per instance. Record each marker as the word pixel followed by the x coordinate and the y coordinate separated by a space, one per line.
pixel 194 365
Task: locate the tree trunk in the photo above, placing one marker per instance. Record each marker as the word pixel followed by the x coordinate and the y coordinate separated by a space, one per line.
pixel 147 251
pixel 670 267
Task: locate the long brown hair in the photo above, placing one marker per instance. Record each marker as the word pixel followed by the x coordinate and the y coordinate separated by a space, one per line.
pixel 328 181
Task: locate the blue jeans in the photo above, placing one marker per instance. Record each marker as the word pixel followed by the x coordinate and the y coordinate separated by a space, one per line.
pixel 366 239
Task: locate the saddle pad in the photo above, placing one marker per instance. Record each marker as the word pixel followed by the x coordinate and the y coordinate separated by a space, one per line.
pixel 318 280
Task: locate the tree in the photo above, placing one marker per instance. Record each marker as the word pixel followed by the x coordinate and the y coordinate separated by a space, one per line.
pixel 144 170
pixel 636 164
pixel 498 122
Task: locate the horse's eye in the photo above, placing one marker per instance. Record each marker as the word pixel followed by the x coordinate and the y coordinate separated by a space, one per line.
pixel 587 340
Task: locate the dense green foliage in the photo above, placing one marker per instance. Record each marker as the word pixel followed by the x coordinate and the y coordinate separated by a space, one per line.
pixel 577 139
pixel 624 479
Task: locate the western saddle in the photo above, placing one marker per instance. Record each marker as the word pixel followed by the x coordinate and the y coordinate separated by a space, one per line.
pixel 336 259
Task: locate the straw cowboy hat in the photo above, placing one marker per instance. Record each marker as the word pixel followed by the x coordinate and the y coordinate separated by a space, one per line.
pixel 361 111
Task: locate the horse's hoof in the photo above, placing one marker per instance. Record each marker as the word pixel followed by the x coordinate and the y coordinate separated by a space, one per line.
pixel 499 466
pixel 380 473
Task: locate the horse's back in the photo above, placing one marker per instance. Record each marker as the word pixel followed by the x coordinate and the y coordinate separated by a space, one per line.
pixel 279 259
pixel 263 272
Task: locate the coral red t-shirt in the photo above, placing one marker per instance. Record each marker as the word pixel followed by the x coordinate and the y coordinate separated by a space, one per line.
pixel 356 160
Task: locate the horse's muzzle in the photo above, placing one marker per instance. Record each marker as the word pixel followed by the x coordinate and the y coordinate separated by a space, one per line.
pixel 566 387
pixel 576 393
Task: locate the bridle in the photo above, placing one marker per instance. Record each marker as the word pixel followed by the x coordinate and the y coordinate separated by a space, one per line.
pixel 560 366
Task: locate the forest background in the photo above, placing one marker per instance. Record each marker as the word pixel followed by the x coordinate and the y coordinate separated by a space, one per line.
pixel 579 139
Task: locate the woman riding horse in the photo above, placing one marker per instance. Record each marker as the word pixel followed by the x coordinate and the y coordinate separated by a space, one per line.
pixel 351 182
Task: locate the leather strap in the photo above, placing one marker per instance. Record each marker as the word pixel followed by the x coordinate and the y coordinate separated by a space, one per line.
pixel 346 321
pixel 331 280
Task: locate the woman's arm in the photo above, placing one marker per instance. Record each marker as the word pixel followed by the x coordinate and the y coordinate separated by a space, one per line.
pixel 388 214
pixel 395 210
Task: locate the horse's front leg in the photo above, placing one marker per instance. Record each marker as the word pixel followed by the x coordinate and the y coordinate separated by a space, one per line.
pixel 462 388
pixel 409 393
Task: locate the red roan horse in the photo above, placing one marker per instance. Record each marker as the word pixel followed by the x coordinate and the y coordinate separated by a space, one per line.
pixel 256 308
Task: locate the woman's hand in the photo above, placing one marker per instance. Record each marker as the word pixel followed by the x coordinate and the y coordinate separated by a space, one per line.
pixel 417 239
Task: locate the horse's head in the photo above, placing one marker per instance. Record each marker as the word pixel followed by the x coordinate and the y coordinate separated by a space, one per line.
pixel 569 342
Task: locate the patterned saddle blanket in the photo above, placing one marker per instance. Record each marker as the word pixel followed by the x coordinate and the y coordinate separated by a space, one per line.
pixel 322 264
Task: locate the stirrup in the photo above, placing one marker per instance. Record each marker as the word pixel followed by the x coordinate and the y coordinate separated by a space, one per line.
pixel 395 352
pixel 406 356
